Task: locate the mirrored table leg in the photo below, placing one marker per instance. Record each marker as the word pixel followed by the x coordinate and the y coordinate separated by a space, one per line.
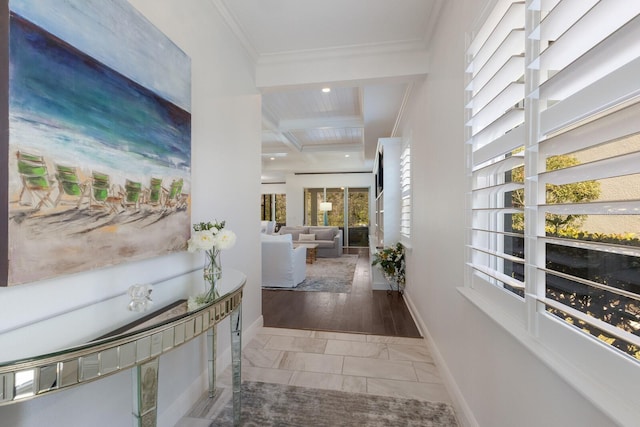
pixel 236 362
pixel 145 394
pixel 211 347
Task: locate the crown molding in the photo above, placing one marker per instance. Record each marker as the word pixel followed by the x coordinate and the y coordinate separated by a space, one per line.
pixel 237 29
pixel 370 49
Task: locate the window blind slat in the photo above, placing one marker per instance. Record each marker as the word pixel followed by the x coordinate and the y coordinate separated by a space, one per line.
pixel 616 332
pixel 583 34
pixel 497 189
pixel 508 280
pixel 513 45
pixel 494 20
pixel 613 89
pixel 608 128
pixel 620 48
pixel 498 146
pixel 510 72
pixel 612 167
pixel 557 22
pixel 627 207
pixel 510 96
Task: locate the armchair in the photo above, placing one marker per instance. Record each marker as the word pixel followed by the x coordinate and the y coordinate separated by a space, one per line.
pixel 283 266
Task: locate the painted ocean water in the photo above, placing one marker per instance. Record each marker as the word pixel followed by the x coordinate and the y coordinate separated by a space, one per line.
pixel 75 111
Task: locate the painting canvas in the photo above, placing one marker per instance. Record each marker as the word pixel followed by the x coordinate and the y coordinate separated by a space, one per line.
pixel 98 152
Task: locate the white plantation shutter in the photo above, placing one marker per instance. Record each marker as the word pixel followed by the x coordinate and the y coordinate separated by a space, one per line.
pixel 589 109
pixel 495 112
pixel 405 184
pixel 553 162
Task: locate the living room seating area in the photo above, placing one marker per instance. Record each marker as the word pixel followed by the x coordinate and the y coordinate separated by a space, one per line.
pixel 328 239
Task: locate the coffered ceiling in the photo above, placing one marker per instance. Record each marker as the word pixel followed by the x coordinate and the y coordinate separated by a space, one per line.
pixel 368 53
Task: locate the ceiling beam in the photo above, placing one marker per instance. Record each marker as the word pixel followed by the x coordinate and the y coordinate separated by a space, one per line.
pixel 321 123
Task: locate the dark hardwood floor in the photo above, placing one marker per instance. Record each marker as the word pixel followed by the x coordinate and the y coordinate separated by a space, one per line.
pixel 361 311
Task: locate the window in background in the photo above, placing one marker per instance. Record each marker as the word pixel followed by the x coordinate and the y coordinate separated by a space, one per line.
pixel 280 210
pixel 349 212
pixel 266 204
pixel 358 219
pixel 273 207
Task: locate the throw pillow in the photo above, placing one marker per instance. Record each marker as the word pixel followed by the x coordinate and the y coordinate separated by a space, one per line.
pixel 307 237
pixel 325 234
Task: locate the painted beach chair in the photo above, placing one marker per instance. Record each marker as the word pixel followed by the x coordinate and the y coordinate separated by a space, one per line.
pixel 101 194
pixel 174 194
pixel 70 189
pixel 153 194
pixel 35 180
pixel 132 194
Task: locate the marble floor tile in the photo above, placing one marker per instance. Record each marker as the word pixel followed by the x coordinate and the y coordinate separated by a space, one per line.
pixel 354 384
pixel 266 375
pixel 311 362
pixel 358 349
pixel 258 341
pixel 396 340
pixel 193 422
pixel 427 372
pixel 261 357
pixel 415 353
pixel 317 380
pixel 379 368
pixel 408 390
pixel 293 343
pixel 339 336
pixel 285 332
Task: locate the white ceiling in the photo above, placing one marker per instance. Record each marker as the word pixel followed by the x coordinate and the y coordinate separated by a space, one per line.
pixel 304 129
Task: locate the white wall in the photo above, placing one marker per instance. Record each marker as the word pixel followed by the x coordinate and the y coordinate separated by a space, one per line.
pixel 497 379
pixel 226 120
pixel 279 188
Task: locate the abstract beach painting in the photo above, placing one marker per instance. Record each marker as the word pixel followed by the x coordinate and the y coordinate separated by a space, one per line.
pixel 99 146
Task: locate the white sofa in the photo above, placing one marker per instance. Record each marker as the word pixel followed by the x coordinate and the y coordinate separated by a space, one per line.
pixel 283 266
pixel 267 227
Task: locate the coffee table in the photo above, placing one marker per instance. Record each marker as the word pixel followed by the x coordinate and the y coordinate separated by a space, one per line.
pixel 311 251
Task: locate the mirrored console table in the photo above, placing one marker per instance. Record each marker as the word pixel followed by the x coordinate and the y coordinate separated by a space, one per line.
pixel 137 349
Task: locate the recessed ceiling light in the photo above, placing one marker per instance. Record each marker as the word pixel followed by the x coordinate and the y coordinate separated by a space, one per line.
pixel 272 158
pixel 346 155
pixel 326 89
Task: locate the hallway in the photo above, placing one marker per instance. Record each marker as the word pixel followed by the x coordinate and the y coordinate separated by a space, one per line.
pixel 356 363
pixel 362 342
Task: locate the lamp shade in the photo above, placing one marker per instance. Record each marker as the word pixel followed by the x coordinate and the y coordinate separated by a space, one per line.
pixel 325 206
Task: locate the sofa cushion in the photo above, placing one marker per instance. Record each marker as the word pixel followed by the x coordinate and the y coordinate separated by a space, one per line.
pixel 324 233
pixel 325 243
pixel 294 231
pixel 306 237
pixel 276 237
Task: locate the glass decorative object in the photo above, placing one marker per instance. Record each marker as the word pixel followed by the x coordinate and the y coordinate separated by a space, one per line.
pixel 212 274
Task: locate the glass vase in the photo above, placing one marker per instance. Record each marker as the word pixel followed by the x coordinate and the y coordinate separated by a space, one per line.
pixel 212 274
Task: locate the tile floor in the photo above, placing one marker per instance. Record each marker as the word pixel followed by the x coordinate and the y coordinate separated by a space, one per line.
pixel 381 365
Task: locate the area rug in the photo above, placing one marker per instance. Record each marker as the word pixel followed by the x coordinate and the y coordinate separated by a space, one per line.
pixel 328 275
pixel 266 404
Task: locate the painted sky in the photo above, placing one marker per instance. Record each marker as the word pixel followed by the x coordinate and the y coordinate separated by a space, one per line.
pixel 54 83
pixel 119 37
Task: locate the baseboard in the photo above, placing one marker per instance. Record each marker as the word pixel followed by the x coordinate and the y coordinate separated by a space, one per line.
pixel 463 412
